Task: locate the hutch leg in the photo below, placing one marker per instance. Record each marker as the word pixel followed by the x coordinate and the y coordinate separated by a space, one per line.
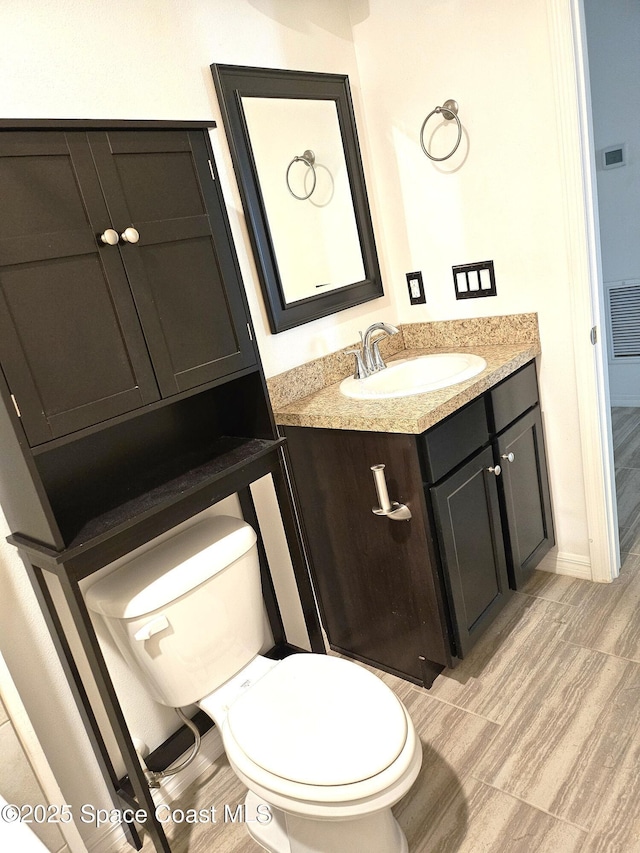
pixel 89 641
pixel 85 710
pixel 284 494
pixel 268 590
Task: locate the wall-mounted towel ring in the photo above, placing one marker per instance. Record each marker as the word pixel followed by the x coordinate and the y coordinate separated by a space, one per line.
pixel 449 112
pixel 309 158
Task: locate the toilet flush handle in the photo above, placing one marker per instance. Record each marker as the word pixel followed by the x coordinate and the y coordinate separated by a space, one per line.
pixel 154 626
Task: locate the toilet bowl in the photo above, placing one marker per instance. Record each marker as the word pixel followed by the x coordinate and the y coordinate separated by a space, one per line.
pixel 324 747
pixel 327 746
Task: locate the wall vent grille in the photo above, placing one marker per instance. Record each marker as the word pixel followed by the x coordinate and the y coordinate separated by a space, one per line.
pixel 623 308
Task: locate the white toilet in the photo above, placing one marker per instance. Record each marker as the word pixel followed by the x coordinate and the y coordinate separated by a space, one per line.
pixel 324 747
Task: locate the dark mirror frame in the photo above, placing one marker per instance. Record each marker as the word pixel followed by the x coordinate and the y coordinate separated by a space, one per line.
pixel 233 82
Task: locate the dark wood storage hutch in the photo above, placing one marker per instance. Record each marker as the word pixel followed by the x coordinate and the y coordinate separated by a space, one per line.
pixel 132 391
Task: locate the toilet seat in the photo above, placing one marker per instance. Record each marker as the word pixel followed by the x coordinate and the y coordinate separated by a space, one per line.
pixel 381 766
pixel 311 712
pixel 329 801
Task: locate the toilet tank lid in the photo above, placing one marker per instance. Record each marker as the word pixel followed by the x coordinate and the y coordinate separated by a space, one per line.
pixel 172 568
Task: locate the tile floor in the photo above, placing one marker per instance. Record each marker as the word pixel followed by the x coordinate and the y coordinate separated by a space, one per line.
pixel 532 744
pixel 626 449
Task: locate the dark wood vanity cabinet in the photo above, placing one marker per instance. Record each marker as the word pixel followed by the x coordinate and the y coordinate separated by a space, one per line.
pixel 469 530
pixel 515 424
pixel 525 493
pixel 377 581
pixel 414 596
pixel 118 285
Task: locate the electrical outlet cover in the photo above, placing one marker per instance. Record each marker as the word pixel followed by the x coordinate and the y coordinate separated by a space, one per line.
pixel 416 288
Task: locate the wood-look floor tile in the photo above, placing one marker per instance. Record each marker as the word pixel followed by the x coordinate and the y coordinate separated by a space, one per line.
pixel 628 496
pixel 560 748
pixel 626 441
pixel 561 588
pixel 629 539
pixel 505 662
pixel 625 425
pixel 610 619
pixel 617 823
pixel 484 819
pixel 217 787
pixel 453 741
pixel 627 455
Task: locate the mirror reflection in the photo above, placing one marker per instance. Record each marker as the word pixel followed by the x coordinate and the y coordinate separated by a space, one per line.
pixel 302 173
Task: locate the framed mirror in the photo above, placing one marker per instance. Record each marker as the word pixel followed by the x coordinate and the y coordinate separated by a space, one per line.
pixel 295 151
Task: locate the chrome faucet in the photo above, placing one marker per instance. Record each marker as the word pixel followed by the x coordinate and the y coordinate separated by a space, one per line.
pixel 368 359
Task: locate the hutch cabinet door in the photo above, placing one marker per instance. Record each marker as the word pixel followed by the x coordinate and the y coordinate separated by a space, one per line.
pixel 468 523
pixel 70 340
pixel 178 254
pixel 526 495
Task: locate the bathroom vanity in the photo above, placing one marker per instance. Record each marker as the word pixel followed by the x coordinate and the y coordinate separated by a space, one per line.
pixel 412 596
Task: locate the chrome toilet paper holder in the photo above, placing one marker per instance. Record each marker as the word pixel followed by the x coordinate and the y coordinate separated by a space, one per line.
pixel 391 509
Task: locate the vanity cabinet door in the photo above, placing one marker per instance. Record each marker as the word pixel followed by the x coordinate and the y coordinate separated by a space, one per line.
pixel 467 515
pixel 526 500
pixel 71 346
pixel 376 580
pixel 181 268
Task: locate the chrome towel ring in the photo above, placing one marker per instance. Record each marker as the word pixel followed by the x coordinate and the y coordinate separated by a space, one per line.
pixel 449 111
pixel 309 159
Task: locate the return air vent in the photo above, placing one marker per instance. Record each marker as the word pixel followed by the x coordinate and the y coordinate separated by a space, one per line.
pixel 623 309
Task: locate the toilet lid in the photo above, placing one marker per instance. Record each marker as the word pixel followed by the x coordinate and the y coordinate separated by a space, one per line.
pixel 319 720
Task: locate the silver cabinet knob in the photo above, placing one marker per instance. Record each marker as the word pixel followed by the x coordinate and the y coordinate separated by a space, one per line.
pixel 508 456
pixel 495 469
pixel 109 237
pixel 130 235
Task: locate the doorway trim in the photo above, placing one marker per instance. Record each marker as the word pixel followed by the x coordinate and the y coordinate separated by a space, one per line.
pixel 584 274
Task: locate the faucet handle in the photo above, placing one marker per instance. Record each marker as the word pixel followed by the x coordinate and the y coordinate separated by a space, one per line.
pixel 360 370
pixel 378 361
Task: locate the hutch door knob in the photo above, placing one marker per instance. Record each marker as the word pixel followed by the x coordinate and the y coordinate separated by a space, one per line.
pixel 497 470
pixel 130 235
pixel 508 456
pixel 109 237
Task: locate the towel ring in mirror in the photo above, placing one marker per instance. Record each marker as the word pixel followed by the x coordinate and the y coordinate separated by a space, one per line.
pixel 309 159
pixel 449 111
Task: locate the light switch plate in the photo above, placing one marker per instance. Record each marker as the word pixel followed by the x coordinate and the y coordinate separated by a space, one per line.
pixel 472 280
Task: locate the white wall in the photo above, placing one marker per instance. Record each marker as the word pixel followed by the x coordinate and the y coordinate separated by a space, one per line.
pixel 499 197
pixel 150 59
pixel 613 36
pixel 25 775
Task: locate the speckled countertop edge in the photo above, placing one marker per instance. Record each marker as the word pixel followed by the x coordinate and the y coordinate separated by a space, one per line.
pixel 325 407
pixel 329 409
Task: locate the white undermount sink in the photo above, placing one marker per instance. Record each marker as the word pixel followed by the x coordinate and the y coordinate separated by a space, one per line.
pixel 408 376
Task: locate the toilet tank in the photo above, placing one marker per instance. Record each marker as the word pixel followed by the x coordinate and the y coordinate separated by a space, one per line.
pixel 188 613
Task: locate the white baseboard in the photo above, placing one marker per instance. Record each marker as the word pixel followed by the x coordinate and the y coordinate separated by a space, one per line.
pixel 109 838
pixel 625 400
pixel 562 563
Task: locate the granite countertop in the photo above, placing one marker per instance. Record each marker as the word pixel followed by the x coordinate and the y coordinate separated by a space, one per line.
pixel 326 407
pixel 330 409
